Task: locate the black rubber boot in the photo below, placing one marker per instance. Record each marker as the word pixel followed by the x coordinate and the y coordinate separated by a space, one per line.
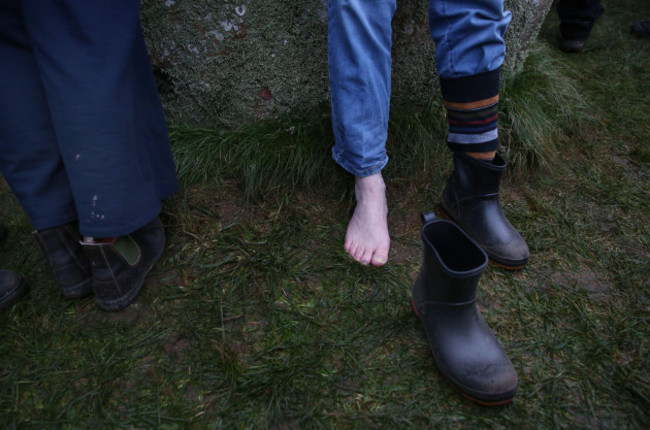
pixel 12 288
pixel 471 200
pixel 641 28
pixel 70 266
pixel 117 281
pixel 444 297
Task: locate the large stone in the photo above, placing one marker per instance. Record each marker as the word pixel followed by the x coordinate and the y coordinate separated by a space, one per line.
pixel 222 61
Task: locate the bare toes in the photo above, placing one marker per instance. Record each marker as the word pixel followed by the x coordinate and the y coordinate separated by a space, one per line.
pixel 379 260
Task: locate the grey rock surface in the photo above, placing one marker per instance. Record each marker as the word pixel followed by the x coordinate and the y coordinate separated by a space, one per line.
pixel 228 62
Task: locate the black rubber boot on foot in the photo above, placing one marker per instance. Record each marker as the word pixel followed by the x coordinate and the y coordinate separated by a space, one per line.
pixel 117 281
pixel 471 200
pixel 12 288
pixel 641 28
pixel 444 298
pixel 70 266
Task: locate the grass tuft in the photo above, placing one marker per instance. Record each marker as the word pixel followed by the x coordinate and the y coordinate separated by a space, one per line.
pixel 538 106
pixel 263 156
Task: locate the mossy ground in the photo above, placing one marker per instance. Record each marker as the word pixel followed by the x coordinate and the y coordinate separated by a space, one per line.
pixel 256 318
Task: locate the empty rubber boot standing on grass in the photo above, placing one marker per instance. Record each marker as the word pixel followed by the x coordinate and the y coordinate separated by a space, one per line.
pixel 444 298
pixel 70 266
pixel 119 265
pixel 471 199
pixel 12 287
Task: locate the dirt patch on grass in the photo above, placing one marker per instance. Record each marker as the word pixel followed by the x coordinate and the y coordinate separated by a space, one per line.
pixel 592 280
pixel 404 253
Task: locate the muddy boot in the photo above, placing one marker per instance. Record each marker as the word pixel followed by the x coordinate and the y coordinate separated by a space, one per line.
pixel 70 267
pixel 119 266
pixel 444 298
pixel 471 200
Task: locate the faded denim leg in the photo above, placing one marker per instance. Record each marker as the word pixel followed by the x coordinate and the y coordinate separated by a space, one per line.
pixel 468 35
pixel 359 43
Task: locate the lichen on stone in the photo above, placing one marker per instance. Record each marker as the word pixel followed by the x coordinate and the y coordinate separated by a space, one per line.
pixel 227 62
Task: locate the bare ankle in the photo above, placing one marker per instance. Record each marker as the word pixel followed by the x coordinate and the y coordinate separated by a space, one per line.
pixel 372 184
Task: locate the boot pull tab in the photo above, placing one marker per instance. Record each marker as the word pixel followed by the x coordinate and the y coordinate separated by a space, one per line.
pixel 427 217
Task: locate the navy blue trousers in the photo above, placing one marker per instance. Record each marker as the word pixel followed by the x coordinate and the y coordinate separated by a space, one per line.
pixel 82 132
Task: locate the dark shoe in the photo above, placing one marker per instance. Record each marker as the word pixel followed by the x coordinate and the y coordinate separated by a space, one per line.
pixel 641 28
pixel 570 46
pixel 117 280
pixel 12 288
pixel 70 266
pixel 471 200
pixel 444 298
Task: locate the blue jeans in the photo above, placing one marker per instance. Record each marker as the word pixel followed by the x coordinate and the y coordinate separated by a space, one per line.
pixel 469 40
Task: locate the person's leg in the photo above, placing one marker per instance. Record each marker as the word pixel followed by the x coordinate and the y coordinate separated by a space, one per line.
pixel 469 52
pixel 359 34
pixel 105 109
pixel 30 158
pixel 112 136
pixel 29 152
pixel 577 19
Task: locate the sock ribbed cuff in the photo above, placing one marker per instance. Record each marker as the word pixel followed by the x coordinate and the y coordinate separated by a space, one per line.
pixel 472 111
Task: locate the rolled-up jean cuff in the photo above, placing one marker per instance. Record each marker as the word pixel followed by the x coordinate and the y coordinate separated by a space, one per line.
pixel 362 149
pixel 359 171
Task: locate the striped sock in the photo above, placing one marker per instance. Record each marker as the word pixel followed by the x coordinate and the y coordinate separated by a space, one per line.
pixel 472 108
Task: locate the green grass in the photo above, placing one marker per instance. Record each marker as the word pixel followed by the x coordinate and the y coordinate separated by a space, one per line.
pixel 263 156
pixel 256 318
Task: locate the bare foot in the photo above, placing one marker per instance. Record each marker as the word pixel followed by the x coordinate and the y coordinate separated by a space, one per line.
pixel 367 239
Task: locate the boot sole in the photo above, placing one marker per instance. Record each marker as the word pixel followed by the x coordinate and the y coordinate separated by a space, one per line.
pixel 495 262
pixel 459 390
